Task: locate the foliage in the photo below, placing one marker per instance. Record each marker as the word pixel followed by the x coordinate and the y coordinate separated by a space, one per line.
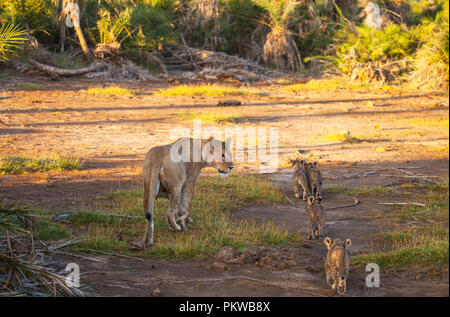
pixel 431 60
pixel 16 273
pixel 35 15
pixel 152 26
pixel 11 37
pixel 368 45
pixel 113 29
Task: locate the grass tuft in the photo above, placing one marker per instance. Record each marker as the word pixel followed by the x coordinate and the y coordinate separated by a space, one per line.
pixel 211 117
pixel 204 91
pixel 30 86
pixel 19 165
pixel 112 90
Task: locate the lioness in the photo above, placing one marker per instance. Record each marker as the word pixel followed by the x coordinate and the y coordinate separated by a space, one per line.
pixel 172 170
pixel 337 264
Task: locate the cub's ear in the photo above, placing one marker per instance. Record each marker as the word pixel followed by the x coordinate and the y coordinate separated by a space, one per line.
pixel 311 200
pixel 348 243
pixel 327 241
pixel 291 161
pixel 211 138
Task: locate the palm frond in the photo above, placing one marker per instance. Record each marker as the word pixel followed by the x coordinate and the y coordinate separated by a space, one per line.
pixel 11 38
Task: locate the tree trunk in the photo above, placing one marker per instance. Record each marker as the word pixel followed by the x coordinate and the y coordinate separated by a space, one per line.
pixel 76 24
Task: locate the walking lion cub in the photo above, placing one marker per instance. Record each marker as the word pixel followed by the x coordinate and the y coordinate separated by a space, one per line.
pixel 316 218
pixel 337 264
pixel 171 171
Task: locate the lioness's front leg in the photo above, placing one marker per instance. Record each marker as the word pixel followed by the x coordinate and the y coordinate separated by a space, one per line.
pixel 186 204
pixel 174 203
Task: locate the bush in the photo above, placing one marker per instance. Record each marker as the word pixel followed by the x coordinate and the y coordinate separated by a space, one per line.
pixel 152 28
pixel 431 60
pixel 35 15
pixel 239 17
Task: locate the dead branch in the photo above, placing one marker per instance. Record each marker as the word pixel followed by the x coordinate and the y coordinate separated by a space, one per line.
pixel 55 71
pixel 355 202
pixel 402 204
pixel 65 215
pixel 116 254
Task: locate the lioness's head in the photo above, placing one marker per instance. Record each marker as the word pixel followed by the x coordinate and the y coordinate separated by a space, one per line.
pixel 218 155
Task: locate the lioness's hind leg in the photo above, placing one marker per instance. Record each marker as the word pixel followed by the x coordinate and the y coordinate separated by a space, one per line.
pixel 151 188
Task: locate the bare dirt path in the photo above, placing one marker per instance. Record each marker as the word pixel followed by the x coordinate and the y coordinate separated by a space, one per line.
pixel 112 133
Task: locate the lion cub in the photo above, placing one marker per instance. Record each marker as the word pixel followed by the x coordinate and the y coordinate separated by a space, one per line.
pixel 314 179
pixel 316 218
pixel 337 264
pixel 301 184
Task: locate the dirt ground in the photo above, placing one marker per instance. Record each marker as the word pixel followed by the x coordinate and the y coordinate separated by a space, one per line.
pixel 403 131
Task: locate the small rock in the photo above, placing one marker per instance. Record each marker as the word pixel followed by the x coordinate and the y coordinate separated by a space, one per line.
pixel 218 266
pixel 225 254
pixel 136 245
pixel 228 103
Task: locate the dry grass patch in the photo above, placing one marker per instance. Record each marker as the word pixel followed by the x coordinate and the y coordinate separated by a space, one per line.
pixel 112 90
pixel 19 165
pixel 204 91
pixel 217 117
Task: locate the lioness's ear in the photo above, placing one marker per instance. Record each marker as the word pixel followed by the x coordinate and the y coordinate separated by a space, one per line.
pixel 211 138
pixel 348 243
pixel 316 164
pixel 311 200
pixel 291 161
pixel 327 242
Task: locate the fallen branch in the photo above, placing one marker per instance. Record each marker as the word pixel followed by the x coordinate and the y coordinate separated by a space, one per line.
pixel 402 204
pixel 55 71
pixel 116 254
pixel 292 203
pixel 355 202
pixel 68 214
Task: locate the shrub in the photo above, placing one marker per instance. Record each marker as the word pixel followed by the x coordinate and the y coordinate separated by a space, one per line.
pixel 431 60
pixel 153 27
pixel 35 15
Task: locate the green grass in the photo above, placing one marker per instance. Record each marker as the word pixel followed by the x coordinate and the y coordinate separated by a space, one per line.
pixel 204 91
pixel 112 90
pixel 365 190
pixel 425 243
pixel 30 86
pixel 46 229
pixel 215 198
pixel 19 165
pixel 211 117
